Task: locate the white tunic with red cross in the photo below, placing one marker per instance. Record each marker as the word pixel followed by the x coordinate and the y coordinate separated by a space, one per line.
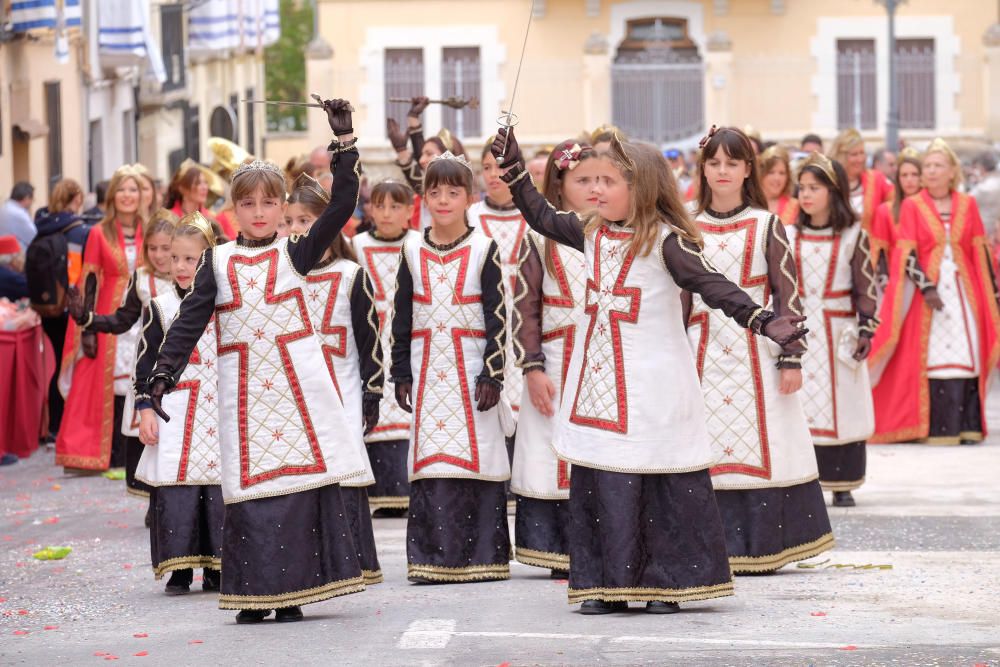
pixel 283 429
pixel 450 437
pixel 147 287
pixel 188 449
pixel 380 260
pixel 537 472
pixel 508 229
pixel 633 402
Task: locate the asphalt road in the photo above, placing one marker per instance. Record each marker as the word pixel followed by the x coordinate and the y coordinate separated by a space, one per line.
pixel 931 513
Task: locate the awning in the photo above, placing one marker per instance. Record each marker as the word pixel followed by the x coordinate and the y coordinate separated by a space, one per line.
pixel 30 128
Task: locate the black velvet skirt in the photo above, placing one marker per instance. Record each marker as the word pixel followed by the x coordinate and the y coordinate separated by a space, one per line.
pixel 288 550
pixel 768 528
pixel 388 461
pixel 956 414
pixel 360 515
pixel 541 533
pixel 186 527
pixel 133 451
pixel 457 531
pixel 841 467
pixel 118 446
pixel 645 537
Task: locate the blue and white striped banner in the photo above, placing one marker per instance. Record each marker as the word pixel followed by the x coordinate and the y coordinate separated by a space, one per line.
pixel 124 38
pixel 228 24
pixel 31 14
pixel 72 14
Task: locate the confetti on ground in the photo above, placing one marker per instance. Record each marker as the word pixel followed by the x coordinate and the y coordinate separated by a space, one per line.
pixel 141 635
pixel 51 520
pixel 141 654
pixel 849 647
pixel 52 553
pixel 818 613
pixel 20 632
pixel 51 627
pixel 196 641
pixel 116 474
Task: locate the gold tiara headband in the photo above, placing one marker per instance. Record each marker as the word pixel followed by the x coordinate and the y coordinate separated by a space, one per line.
pixel 939 145
pixel 307 182
pixel 909 152
pixel 823 163
pixel 448 155
pixel 774 151
pixel 198 221
pixel 257 165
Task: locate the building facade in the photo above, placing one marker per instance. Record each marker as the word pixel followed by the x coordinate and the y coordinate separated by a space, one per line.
pixel 663 70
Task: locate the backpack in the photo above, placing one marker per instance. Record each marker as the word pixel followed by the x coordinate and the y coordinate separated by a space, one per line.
pixel 45 267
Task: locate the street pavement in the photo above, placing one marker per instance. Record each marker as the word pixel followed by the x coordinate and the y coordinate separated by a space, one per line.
pixel 914 580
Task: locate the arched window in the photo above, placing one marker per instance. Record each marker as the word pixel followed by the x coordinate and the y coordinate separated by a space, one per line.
pixel 657 81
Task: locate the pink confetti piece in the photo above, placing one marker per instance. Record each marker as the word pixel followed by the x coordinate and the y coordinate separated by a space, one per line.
pixel 22 612
pixel 141 654
pixel 141 635
pixel 51 627
pixel 110 657
pixel 20 632
pixel 51 520
pixel 196 641
pixel 849 647
pixel 100 654
pixel 818 613
pixel 126 566
pixel 3 599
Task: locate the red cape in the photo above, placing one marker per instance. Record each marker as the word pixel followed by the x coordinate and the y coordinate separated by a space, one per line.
pixel 788 210
pixel 884 233
pixel 88 419
pixel 878 190
pixel 899 349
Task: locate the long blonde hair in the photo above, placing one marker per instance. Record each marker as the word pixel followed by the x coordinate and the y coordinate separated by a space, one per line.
pixel 842 145
pixel 941 146
pixel 109 224
pixel 653 197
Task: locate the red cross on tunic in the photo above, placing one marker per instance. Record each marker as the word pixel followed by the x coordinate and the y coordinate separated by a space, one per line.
pixel 447 372
pixel 609 302
pixel 508 231
pixel 193 386
pixel 381 293
pixel 284 319
pixel 333 339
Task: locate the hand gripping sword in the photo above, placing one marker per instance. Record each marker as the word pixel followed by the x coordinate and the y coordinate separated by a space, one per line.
pixel 508 119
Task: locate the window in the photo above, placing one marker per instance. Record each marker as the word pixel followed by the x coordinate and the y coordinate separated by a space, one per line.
pixel 251 123
pixel 172 45
pixel 657 82
pixel 192 132
pixel 404 78
pixel 460 78
pixel 856 84
pixel 915 73
pixel 53 117
pixel 95 138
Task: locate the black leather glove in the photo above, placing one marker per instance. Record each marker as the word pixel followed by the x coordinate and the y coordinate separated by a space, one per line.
pixel 369 412
pixel 74 304
pixel 159 387
pixel 512 156
pixel 417 106
pixel 785 329
pixel 933 299
pixel 88 343
pixel 863 348
pixel 487 395
pixel 338 114
pixel 403 390
pixel 396 136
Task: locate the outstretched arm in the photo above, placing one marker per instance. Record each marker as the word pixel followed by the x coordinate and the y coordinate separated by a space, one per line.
pixel 783 279
pixel 122 319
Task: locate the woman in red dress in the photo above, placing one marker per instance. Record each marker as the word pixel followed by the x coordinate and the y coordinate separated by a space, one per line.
pixel 776 179
pixel 868 188
pixel 188 192
pixel 938 340
pixel 94 387
pixel 885 226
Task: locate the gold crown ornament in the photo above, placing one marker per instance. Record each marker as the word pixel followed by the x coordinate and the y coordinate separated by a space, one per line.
pixel 307 182
pixel 199 222
pixel 227 155
pixel 216 185
pixel 909 152
pixel 823 163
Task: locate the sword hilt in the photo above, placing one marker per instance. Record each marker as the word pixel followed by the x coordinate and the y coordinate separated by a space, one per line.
pixel 509 120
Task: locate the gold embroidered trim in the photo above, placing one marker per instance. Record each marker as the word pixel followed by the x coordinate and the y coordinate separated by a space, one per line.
pixel 138 493
pixel 90 320
pixel 523 252
pixel 459 475
pixel 458 574
pixel 376 383
pixel 770 563
pixel 372 577
pixel 186 563
pixel 389 502
pixel 296 489
pixel 915 273
pixel 867 269
pixel 636 471
pixel 971 435
pixel 547 559
pixel 786 265
pixel 295 598
pixel 500 312
pixel 952 439
pixel 842 486
pixel 720 485
pixel 577 596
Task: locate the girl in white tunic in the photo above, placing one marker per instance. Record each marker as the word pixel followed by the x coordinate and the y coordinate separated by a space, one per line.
pixel 547 305
pixel 449 327
pixel 764 469
pixel 378 251
pixel 838 291
pixel 150 278
pixel 343 315
pixel 180 461
pixel 645 526
pixel 286 439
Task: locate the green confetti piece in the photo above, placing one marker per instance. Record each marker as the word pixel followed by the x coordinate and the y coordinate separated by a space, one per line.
pixel 53 553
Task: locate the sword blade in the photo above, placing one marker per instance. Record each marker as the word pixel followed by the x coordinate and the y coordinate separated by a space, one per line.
pixel 281 103
pixel 517 79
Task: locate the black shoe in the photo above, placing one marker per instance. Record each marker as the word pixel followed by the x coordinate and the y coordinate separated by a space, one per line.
pixel 211 580
pixel 389 513
pixel 594 607
pixel 180 582
pixel 559 574
pixel 248 616
pixel 149 517
pixel 288 615
pixel 8 459
pixel 843 499
pixel 657 607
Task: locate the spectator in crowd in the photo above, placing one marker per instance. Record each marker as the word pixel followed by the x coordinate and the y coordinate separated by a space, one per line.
pixel 319 158
pixel 13 284
pixel 811 143
pixel 15 217
pixel 95 213
pixel 987 192
pixel 536 167
pixel 884 160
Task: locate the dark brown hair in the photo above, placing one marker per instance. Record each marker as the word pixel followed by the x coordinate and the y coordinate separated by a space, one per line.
pixel 63 194
pixel 897 192
pixel 552 191
pixel 181 180
pixel 737 146
pixel 272 183
pixel 315 200
pixel 842 215
pixel 162 221
pixel 397 191
pixel 448 172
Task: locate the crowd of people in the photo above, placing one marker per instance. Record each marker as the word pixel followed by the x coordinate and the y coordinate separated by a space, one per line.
pixel 450 346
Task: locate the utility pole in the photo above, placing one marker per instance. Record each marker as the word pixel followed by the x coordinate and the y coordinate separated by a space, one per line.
pixel 892 119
